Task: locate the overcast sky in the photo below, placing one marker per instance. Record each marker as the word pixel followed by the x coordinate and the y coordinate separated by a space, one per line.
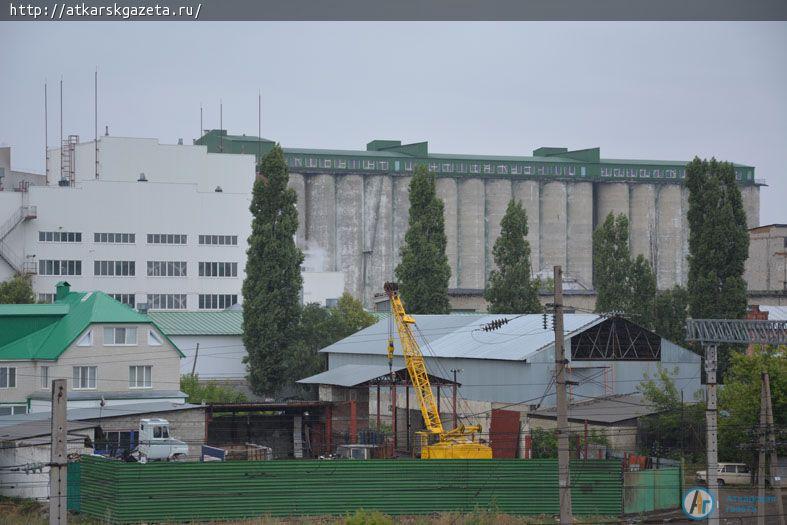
pixel 637 90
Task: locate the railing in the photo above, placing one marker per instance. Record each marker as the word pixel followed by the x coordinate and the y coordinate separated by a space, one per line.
pixel 11 257
pixel 11 223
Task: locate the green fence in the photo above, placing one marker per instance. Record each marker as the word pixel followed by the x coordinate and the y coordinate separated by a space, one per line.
pixel 650 490
pixel 73 486
pixel 120 492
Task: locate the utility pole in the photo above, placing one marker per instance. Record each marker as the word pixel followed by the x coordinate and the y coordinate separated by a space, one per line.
pixel 58 504
pixel 774 463
pixel 711 422
pixel 564 484
pixel 456 418
pixel 194 364
pixel 761 456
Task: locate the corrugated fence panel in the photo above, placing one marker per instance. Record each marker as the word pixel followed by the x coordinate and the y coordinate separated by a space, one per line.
pixel 73 481
pixel 129 493
pixel 649 490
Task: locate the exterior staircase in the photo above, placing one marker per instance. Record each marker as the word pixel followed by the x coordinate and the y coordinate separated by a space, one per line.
pixel 7 254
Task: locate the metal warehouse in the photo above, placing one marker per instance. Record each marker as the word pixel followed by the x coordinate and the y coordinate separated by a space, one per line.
pixel 515 364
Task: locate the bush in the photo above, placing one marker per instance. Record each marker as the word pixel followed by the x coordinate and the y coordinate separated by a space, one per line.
pixel 365 517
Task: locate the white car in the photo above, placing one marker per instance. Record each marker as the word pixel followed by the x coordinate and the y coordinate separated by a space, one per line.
pixel 155 442
pixel 728 474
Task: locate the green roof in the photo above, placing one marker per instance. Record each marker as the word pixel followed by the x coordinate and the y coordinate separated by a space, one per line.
pixel 225 322
pixel 68 318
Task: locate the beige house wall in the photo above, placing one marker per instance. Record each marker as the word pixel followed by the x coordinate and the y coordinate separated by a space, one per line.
pixel 112 365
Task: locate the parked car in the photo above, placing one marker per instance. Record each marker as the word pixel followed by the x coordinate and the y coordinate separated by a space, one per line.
pixel 728 474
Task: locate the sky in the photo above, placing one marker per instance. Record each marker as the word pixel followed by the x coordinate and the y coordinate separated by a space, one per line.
pixel 666 91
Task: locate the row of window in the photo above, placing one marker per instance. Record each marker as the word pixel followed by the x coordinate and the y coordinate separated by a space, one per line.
pixel 165 301
pixel 128 268
pixel 493 168
pixel 131 238
pixel 86 377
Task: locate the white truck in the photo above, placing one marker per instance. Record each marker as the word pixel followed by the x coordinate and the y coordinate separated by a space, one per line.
pixel 156 443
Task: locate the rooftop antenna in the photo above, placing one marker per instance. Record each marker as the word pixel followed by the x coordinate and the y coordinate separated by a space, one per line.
pixel 95 113
pixel 61 124
pixel 201 129
pixel 46 135
pixel 221 127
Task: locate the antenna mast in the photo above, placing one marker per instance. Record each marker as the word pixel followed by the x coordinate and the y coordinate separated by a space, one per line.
pixel 46 136
pixel 95 112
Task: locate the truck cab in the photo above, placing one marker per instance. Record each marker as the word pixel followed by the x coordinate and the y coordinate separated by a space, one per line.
pixel 156 442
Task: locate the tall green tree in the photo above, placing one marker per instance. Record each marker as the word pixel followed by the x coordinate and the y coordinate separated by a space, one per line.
pixel 17 290
pixel 718 241
pixel 611 264
pixel 423 272
pixel 670 310
pixel 272 287
pixel 739 401
pixel 622 284
pixel 510 289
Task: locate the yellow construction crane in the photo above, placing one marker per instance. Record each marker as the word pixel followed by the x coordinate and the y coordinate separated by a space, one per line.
pixel 436 443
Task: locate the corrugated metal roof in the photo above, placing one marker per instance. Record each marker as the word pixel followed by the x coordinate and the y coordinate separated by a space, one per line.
pixel 775 313
pixel 83 309
pixel 85 414
pixel 460 336
pixel 610 409
pixel 37 428
pixel 33 309
pixel 225 322
pixel 90 395
pixel 353 375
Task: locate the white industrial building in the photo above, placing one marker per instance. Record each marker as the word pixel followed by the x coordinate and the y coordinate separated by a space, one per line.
pixel 163 225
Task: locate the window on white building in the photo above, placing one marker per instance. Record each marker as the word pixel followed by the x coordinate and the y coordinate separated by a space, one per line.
pixel 167 238
pixel 217 301
pixel 219 240
pixel 218 269
pixel 59 236
pixel 7 377
pixel 115 238
pixel 44 377
pixel 140 376
pixel 166 268
pixel 114 268
pixel 84 377
pixel 55 267
pixel 125 298
pixel 167 301
pixel 120 335
pixel 46 298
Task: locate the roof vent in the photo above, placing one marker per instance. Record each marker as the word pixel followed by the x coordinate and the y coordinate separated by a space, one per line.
pixel 62 289
pixel 142 178
pixel 218 189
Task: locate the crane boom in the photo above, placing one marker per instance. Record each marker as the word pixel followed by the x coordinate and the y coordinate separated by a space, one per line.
pixel 414 361
pixel 458 443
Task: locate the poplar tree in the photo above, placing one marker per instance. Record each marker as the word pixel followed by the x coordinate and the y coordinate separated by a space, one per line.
pixel 622 284
pixel 272 287
pixel 423 272
pixel 718 241
pixel 611 264
pixel 670 310
pixel 509 288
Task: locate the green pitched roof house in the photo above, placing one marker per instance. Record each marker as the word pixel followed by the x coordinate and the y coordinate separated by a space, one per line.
pixel 108 352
